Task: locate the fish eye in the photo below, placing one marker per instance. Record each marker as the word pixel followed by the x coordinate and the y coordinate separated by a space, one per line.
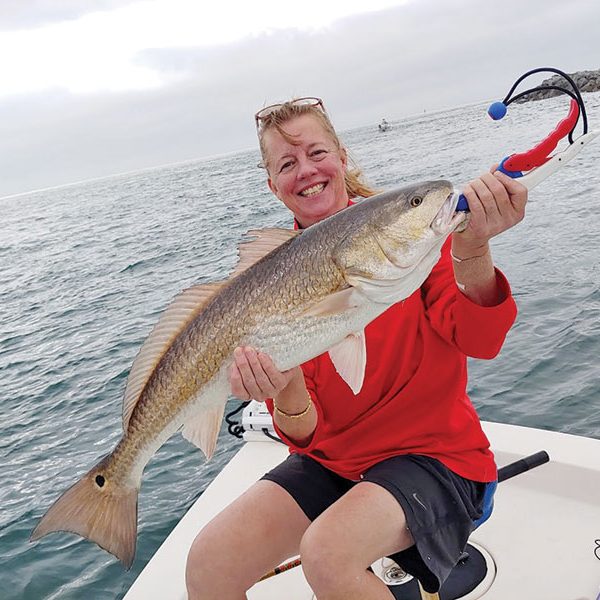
pixel 416 201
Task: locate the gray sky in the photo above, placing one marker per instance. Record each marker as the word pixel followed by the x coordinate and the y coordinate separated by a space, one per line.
pixel 93 88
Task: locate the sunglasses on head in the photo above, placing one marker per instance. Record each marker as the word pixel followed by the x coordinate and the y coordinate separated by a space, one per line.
pixel 264 113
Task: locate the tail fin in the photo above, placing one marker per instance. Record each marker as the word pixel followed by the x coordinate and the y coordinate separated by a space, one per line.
pixel 99 510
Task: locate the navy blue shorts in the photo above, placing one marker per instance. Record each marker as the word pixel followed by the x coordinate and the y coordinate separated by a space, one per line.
pixel 439 505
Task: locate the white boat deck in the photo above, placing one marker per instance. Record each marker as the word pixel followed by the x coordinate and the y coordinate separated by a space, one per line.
pixel 543 535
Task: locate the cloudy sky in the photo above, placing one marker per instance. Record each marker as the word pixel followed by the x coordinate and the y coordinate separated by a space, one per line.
pixel 90 88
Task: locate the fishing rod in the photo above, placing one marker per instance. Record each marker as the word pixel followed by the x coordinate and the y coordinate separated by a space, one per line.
pixel 534 165
pixel 506 472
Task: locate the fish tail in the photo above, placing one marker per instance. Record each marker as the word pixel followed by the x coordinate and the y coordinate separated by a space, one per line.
pixel 99 510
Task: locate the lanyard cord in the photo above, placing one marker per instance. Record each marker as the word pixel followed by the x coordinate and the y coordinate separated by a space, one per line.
pixel 575 93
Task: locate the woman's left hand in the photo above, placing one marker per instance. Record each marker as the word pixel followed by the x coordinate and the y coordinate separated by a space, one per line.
pixel 253 375
pixel 496 203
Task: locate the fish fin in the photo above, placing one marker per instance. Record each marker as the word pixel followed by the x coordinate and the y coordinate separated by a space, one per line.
pixel 263 241
pixel 106 514
pixel 390 290
pixel 349 357
pixel 202 428
pixel 335 303
pixel 184 308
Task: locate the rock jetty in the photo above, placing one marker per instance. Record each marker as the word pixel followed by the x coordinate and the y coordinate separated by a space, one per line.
pixel 586 81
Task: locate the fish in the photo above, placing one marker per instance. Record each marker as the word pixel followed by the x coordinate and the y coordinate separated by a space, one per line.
pixel 293 295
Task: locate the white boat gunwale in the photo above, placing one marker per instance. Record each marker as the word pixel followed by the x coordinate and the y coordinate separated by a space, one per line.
pixel 542 522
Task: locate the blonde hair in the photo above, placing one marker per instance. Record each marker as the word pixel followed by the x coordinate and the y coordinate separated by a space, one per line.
pixel 278 117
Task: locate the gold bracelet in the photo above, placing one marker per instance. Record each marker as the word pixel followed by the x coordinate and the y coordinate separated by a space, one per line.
pixel 296 415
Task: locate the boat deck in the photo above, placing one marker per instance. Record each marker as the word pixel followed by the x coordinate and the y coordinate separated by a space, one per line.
pixel 543 536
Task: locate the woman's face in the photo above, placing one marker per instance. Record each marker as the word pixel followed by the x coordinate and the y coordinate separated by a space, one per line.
pixel 307 176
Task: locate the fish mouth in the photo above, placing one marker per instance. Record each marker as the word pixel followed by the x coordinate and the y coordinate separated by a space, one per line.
pixel 448 219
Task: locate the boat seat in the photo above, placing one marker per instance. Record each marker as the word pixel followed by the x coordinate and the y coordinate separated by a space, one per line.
pixel 488 503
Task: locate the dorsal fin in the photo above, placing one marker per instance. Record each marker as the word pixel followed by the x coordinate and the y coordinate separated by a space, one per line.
pixel 263 242
pixel 174 319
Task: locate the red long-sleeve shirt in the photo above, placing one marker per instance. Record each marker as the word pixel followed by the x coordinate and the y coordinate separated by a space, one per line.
pixel 414 399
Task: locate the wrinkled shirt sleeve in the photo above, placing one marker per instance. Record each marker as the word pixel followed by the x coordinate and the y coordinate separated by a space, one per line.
pixel 477 331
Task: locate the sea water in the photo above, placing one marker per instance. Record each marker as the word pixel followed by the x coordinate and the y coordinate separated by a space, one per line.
pixel 87 269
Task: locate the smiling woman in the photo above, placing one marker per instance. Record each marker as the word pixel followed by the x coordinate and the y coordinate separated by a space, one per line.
pixel 306 162
pixel 347 493
pixel 307 175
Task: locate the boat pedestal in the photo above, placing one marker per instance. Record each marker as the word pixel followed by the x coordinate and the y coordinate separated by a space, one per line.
pixel 469 580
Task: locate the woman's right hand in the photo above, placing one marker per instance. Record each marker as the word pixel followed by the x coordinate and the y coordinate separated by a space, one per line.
pixel 253 375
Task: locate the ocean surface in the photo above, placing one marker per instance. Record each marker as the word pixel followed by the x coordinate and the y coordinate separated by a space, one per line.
pixel 86 270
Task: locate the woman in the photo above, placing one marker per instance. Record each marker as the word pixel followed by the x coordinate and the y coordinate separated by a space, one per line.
pixel 401 468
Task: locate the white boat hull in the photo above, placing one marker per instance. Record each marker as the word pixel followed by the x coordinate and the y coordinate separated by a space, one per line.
pixel 542 536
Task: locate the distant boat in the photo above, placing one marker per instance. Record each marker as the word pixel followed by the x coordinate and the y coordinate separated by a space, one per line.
pixel 384 125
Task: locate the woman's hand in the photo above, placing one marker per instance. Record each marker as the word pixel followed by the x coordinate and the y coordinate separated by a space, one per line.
pixel 497 203
pixel 254 376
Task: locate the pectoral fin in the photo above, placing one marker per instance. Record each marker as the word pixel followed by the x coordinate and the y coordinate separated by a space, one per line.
pixel 392 289
pixel 349 358
pixel 202 428
pixel 336 303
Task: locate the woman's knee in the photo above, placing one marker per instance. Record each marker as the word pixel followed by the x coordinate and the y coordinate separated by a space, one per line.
pixel 265 511
pixel 200 566
pixel 322 555
pixel 213 547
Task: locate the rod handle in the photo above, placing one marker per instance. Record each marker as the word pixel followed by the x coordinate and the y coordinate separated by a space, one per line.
pixel 522 465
